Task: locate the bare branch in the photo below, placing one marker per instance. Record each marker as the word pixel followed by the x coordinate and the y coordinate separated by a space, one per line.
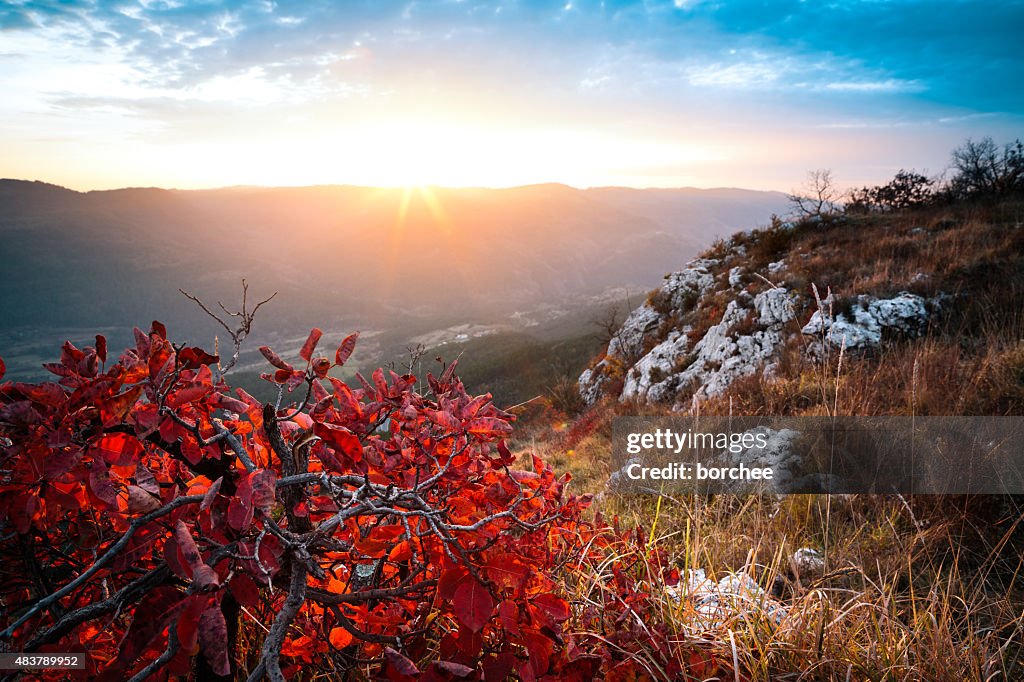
pixel 107 557
pixel 244 326
pixel 164 658
pixel 127 595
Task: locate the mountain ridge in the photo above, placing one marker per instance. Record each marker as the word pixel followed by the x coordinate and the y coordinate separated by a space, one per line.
pixel 404 261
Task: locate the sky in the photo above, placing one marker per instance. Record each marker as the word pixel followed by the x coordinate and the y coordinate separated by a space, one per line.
pixel 653 93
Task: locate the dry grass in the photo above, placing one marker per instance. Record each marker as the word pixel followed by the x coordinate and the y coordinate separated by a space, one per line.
pixel 902 598
pixel 926 588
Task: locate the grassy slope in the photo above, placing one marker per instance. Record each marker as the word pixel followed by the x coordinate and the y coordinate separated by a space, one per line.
pixel 915 589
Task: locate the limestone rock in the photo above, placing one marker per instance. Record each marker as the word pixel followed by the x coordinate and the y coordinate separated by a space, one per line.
pixel 720 357
pixel 808 563
pixel 906 313
pixel 736 597
pixel 679 293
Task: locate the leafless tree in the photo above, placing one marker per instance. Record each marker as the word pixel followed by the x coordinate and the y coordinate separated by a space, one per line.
pixel 818 197
pixel 608 323
pixel 982 168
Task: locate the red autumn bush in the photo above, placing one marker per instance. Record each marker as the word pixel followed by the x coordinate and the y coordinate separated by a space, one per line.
pixel 147 510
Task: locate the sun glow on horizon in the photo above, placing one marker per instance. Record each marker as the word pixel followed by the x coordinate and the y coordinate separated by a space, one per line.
pixel 421 153
pixel 397 153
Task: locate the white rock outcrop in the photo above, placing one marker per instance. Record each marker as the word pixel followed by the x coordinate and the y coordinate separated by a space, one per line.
pixel 905 313
pixel 657 358
pixel 630 338
pixel 720 357
pixel 679 293
pixel 648 377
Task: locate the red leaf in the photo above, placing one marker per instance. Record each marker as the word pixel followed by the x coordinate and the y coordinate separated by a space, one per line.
pixel 188 394
pixel 307 348
pixel 380 382
pixel 296 378
pixel 345 349
pixel 400 552
pixel 188 622
pixel 101 348
pixel 159 358
pixel 117 448
pixel 154 611
pixel 140 501
pixel 263 483
pixel 444 419
pixel 488 426
pixel 539 648
pixel 301 648
pixel 244 590
pixel 115 409
pixel 321 366
pixel 341 439
pixel 449 582
pixel 226 402
pixel 399 664
pixel 100 483
pixel 319 410
pixel 448 374
pixel 556 608
pixel 371 547
pixel 191 358
pixel 270 553
pixel 340 638
pixel 239 514
pixel 275 359
pixel 159 329
pixel 213 639
pixel 60 461
pixel 367 386
pixel 350 407
pixel 211 494
pixel 509 614
pixel 202 574
pixel 498 668
pixel 453 668
pixel 473 604
pixel 191 451
pixel 3 368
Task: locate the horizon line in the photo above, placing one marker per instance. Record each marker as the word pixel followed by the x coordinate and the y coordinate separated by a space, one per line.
pixel 432 186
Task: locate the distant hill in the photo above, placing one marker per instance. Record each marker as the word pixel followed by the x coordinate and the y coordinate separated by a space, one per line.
pixel 389 259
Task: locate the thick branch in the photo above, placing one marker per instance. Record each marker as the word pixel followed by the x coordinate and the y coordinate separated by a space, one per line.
pixel 270 660
pixel 367 595
pixel 290 466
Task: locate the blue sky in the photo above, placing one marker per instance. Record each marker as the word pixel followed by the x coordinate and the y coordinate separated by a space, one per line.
pixel 655 93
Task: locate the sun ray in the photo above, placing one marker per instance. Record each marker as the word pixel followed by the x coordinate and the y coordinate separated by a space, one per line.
pixel 437 211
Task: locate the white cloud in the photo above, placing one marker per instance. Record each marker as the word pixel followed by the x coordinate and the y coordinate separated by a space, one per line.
pixel 888 85
pixel 739 75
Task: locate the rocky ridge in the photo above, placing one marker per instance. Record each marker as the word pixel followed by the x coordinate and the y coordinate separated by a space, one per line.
pixel 715 321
